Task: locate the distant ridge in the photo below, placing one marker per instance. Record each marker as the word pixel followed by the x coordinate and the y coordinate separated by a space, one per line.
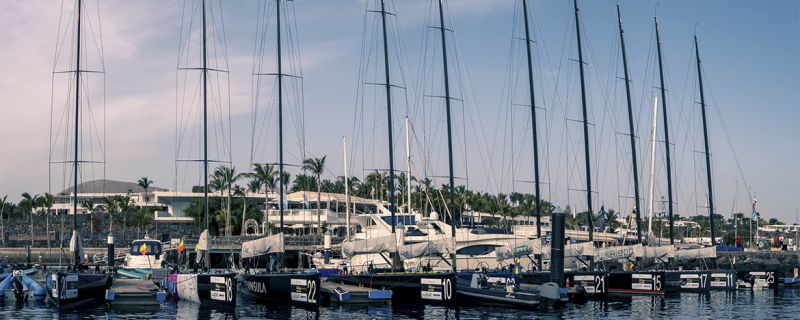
pixel 110 186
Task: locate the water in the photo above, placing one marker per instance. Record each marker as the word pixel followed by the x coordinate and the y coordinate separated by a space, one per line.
pixel 726 305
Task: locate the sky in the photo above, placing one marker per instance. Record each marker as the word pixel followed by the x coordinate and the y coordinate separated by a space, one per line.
pixel 751 74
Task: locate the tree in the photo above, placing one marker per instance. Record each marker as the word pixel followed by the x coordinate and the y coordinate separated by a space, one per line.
pixel 28 203
pixel 266 174
pixel 46 201
pixel 317 167
pixel 89 205
pixel 111 207
pixel 145 183
pixel 2 219
pixel 125 204
pixel 253 186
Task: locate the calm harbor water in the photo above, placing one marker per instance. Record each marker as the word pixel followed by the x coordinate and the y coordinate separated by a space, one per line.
pixel 721 305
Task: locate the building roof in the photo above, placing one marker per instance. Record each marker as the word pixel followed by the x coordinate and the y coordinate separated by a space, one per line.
pixel 110 186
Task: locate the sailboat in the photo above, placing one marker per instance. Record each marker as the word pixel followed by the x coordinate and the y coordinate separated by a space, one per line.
pixel 76 287
pixel 427 286
pixel 276 283
pixel 206 287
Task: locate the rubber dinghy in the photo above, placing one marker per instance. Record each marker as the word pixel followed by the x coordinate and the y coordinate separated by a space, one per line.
pixel 504 289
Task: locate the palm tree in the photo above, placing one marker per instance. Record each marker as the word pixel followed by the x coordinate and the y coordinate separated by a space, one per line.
pixel 253 186
pixel 89 205
pixel 28 203
pixel 111 206
pixel 145 183
pixel 316 166
pixel 2 220
pixel 266 174
pixel 46 201
pixel 125 204
pixel 228 177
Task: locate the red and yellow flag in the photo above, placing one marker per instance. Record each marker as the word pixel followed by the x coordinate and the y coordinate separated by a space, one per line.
pixel 180 247
pixel 143 249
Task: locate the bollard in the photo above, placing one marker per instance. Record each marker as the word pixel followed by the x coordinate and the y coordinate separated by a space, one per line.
pixel 557 248
pixel 327 246
pixel 110 253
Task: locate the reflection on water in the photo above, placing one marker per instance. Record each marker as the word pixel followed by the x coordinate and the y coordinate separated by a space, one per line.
pixel 727 305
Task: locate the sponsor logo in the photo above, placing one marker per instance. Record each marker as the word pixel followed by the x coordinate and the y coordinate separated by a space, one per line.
pixel 258 287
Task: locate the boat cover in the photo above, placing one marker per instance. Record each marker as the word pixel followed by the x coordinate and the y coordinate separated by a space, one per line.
pixel 265 245
pixel 372 245
pixel 75 244
pixel 618 252
pixel 427 248
pixel 702 253
pixel 660 252
pixel 521 248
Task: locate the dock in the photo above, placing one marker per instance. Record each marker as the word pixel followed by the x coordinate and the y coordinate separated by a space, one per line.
pixel 134 292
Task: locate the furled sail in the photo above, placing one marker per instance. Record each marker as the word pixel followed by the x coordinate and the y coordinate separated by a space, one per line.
pixel 202 244
pixel 618 252
pixel 702 253
pixel 373 245
pixel 426 248
pixel 661 252
pixel 75 244
pixel 265 245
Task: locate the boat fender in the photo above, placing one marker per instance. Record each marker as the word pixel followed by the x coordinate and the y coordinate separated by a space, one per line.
pixel 5 284
pixel 550 291
pixel 110 295
pixel 341 295
pixel 39 293
pixel 161 296
pixel 380 294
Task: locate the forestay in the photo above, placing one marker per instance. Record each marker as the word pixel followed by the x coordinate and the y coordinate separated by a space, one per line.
pixel 427 248
pixel 373 245
pixel 265 245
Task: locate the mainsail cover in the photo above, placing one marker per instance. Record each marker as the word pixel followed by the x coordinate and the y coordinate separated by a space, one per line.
pixel 702 253
pixel 373 245
pixel 426 248
pixel 618 252
pixel 265 245
pixel 661 252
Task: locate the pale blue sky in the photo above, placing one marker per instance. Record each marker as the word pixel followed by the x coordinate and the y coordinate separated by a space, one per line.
pixel 749 49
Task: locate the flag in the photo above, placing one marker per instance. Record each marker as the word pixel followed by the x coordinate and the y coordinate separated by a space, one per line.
pixel 517 266
pixel 601 219
pixel 305 200
pixel 180 247
pixel 143 249
pixel 754 207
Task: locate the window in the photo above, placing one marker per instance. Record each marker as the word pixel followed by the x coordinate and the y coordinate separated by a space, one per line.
pixel 476 250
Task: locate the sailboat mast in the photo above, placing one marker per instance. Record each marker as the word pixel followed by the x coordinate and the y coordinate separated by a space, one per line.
pixel 205 140
pixel 388 84
pixel 632 134
pixel 666 135
pixel 652 184
pixel 346 188
pixel 408 161
pixel 449 132
pixel 585 125
pixel 77 134
pixel 280 111
pixel 705 138
pixel 533 122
